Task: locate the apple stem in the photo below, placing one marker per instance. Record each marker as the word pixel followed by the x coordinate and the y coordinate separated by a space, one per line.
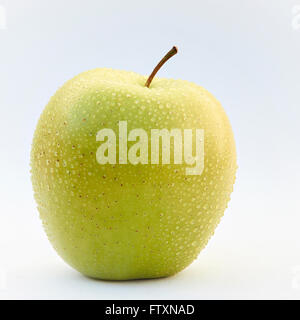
pixel 170 54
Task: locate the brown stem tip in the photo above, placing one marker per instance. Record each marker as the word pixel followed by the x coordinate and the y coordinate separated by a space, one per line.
pixel 169 55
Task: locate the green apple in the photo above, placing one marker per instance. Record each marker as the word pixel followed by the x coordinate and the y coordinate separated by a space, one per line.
pixel 129 221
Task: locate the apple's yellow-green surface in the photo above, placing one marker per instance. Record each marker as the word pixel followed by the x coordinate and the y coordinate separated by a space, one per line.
pixel 129 221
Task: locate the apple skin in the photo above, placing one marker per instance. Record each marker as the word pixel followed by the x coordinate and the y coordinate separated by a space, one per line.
pixel 122 222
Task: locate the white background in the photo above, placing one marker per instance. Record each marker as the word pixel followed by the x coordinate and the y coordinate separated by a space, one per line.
pixel 245 52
